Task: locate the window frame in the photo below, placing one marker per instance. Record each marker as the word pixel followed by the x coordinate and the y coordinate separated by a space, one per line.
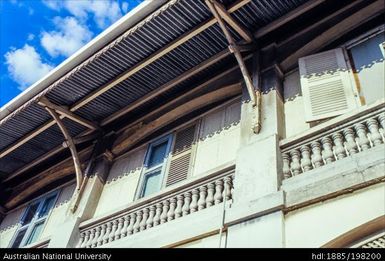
pixel 162 166
pixel 36 220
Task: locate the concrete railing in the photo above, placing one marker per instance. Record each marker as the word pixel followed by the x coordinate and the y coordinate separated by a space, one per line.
pixel 200 194
pixel 334 140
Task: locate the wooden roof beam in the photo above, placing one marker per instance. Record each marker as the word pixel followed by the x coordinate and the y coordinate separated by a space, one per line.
pixel 334 32
pixel 124 142
pixel 43 101
pixel 246 35
pixel 132 70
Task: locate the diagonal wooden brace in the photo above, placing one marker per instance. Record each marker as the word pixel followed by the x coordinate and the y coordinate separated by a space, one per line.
pixel 43 101
pixel 255 94
pixel 71 146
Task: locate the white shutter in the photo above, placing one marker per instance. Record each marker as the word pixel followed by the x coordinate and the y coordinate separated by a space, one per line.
pixel 181 155
pixel 326 87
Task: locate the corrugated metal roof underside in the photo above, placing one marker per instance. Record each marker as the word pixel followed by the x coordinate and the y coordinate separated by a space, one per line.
pixel 156 33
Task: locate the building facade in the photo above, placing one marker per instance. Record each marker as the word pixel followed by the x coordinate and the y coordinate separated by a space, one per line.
pixel 233 123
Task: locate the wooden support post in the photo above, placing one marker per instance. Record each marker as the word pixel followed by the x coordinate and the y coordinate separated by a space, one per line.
pixel 43 101
pixel 78 193
pixel 255 95
pixel 71 146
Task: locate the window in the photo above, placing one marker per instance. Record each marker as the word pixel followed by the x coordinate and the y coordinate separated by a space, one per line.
pixel 33 220
pixel 326 85
pixel 168 160
pixel 154 166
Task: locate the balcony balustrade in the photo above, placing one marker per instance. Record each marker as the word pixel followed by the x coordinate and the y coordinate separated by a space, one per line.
pixel 157 210
pixel 334 140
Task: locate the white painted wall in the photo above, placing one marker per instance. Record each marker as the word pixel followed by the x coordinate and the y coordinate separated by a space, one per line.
pixel 9 226
pixel 219 139
pixel 318 224
pixel 122 181
pixel 59 212
pixel 206 242
pixel 369 64
pixel 261 232
pixel 294 117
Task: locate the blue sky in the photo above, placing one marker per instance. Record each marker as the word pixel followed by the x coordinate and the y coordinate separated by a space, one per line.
pixel 37 35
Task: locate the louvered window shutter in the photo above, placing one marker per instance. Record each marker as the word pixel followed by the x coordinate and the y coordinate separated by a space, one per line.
pixel 326 87
pixel 181 155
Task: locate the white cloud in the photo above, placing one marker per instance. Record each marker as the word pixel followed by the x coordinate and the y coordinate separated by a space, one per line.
pixel 31 11
pixel 103 12
pixel 53 4
pixel 124 7
pixel 25 66
pixel 30 37
pixel 70 36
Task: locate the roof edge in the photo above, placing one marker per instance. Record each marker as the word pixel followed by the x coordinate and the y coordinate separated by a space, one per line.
pixel 115 30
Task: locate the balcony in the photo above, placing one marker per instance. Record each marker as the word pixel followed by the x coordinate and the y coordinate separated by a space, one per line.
pixel 175 202
pixel 332 141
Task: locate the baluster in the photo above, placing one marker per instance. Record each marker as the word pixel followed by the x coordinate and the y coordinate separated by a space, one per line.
pixel 179 205
pixel 96 237
pixel 125 225
pixel 327 152
pixel 86 238
pixel 374 132
pixel 218 191
pixel 150 219
pixel 202 197
pixel 194 201
pixel 142 224
pixel 81 240
pixel 187 201
pixel 210 194
pixel 228 185
pixel 163 217
pixel 119 229
pixel 295 162
pixel 305 160
pixel 159 208
pixel 114 228
pixel 130 229
pixel 92 237
pixel 102 234
pixel 363 140
pixel 286 165
pixel 138 219
pixel 339 148
pixel 381 120
pixel 171 211
pixel 316 156
pixel 107 236
pixel 351 144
